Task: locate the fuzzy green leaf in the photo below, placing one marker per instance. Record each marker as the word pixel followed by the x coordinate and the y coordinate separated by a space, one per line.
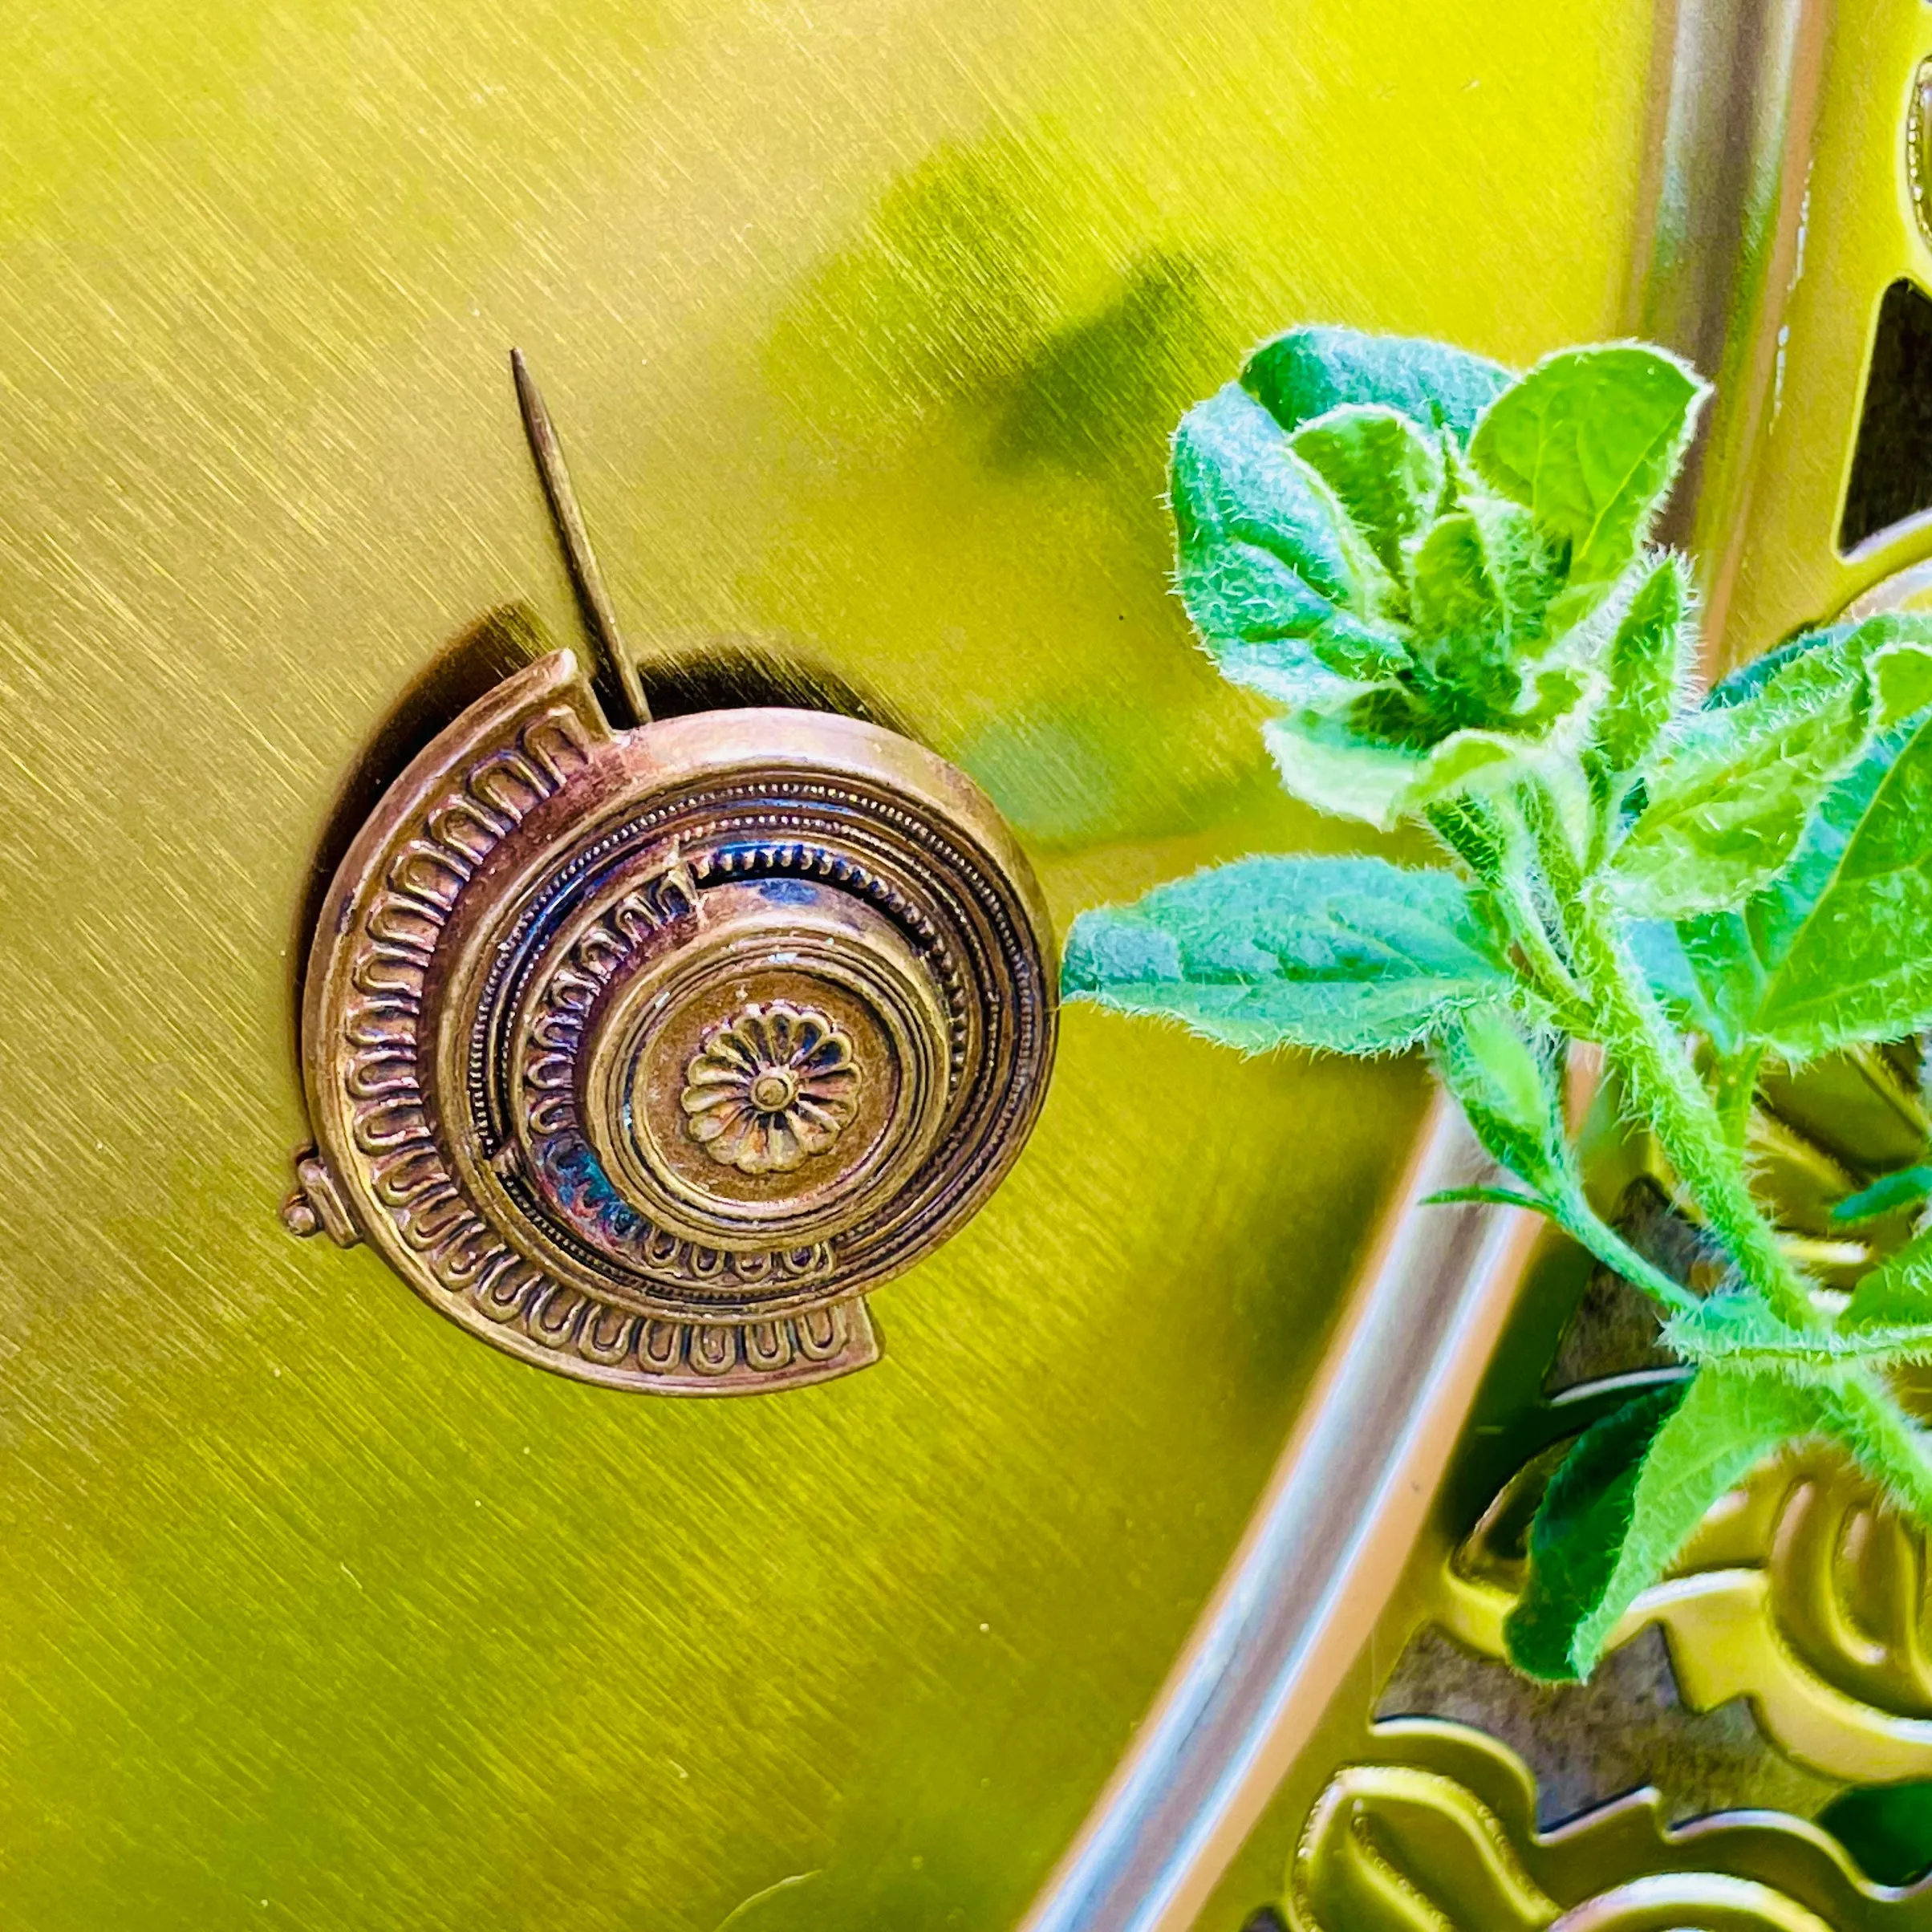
pixel 1886 1828
pixel 1324 761
pixel 1751 677
pixel 1384 471
pixel 1506 1089
pixel 1308 371
pixel 1645 666
pixel 1890 1193
pixel 1577 1536
pixel 1706 974
pixel 1841 935
pixel 1236 481
pixel 1281 587
pixel 1351 956
pixel 1488 1197
pixel 1863 1415
pixel 1470 828
pixel 1727 806
pixel 1263 568
pixel 1898 644
pixel 1455 604
pixel 1526 567
pixel 1588 442
pixel 1481 580
pixel 1832 951
pixel 1897 1292
pixel 1628 1498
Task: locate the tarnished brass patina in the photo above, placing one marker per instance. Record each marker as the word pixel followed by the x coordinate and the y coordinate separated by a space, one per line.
pixel 641 1053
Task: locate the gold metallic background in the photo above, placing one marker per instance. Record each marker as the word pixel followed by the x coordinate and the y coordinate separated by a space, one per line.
pixel 866 323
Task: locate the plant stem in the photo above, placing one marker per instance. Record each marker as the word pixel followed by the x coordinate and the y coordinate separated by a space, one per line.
pixel 1887 1444
pixel 1636 1034
pixel 1516 899
pixel 1737 1081
pixel 1575 1216
pixel 1551 970
pixel 1567 1207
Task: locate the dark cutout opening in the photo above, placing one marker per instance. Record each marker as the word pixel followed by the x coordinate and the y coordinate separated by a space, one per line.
pixel 1891 480
pixel 1887 1828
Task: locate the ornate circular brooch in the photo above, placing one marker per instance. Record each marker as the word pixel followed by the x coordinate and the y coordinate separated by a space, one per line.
pixel 641 1054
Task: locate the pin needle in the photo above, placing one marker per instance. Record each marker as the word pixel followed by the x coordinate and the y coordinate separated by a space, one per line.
pixel 593 599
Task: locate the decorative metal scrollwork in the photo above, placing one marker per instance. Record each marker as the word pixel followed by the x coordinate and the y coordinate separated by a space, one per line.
pixel 1444 1841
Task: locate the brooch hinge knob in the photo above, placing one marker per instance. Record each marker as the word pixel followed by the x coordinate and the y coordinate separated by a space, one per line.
pixel 314 1204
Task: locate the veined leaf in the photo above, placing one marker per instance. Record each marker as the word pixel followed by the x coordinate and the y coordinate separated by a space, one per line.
pixel 1646 666
pixel 1385 472
pixel 1833 951
pixel 1481 581
pixel 1896 646
pixel 1588 443
pixel 1506 1089
pixel 1488 1197
pixel 1263 628
pixel 1263 556
pixel 1308 371
pixel 1844 933
pixel 1707 973
pixel 1751 677
pixel 1235 481
pixel 1471 829
pixel 1577 1534
pixel 1897 654
pixel 1324 761
pixel 1461 623
pixel 1728 806
pixel 1526 567
pixel 1351 956
pixel 1628 1498
pixel 1896 1294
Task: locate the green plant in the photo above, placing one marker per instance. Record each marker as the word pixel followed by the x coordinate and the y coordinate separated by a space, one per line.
pixel 1439 575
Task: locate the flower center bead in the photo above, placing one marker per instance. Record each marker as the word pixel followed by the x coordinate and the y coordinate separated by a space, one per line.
pixel 773 1090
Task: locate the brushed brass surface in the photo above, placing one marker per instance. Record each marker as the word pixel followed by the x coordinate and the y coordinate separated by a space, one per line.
pixel 867 323
pixel 1325 1553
